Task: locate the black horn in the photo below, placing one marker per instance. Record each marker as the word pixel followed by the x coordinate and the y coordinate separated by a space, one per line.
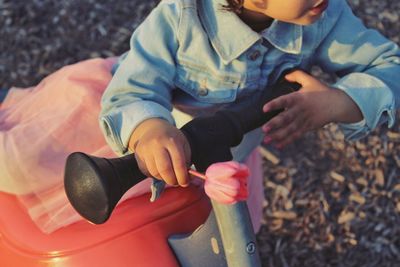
pixel 95 185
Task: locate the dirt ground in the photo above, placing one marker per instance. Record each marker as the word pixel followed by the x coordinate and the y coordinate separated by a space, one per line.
pixel 328 202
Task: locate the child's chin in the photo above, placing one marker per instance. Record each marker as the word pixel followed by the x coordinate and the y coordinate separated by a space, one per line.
pixel 307 20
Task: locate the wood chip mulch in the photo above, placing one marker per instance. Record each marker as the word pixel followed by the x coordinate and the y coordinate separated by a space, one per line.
pixel 328 202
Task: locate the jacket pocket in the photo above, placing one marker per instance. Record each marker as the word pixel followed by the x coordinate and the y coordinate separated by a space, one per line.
pixel 207 86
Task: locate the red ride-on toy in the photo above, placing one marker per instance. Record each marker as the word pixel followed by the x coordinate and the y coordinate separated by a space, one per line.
pixel 181 228
pixel 135 235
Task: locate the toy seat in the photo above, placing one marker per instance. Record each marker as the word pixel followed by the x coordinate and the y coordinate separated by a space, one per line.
pixel 136 234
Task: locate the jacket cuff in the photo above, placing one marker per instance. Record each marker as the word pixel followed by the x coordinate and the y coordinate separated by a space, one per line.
pixel 375 100
pixel 118 125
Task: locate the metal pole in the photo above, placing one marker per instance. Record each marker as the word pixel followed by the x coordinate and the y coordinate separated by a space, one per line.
pixel 237 234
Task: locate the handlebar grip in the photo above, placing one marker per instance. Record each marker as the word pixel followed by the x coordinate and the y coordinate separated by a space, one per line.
pixel 249 115
pixel 211 137
pixel 95 185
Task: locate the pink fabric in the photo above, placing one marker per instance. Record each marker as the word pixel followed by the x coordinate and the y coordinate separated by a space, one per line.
pixel 255 187
pixel 226 182
pixel 42 125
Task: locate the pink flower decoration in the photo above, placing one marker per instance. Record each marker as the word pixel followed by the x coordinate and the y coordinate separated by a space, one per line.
pixel 226 182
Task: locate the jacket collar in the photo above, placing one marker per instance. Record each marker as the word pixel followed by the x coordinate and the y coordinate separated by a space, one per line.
pixel 284 36
pixel 230 37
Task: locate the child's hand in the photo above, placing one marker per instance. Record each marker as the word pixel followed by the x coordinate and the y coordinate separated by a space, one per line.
pixel 162 151
pixel 310 108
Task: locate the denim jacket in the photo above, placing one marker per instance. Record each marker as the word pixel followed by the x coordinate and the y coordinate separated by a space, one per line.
pixel 196 56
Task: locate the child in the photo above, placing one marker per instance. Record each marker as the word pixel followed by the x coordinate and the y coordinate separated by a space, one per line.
pixel 194 56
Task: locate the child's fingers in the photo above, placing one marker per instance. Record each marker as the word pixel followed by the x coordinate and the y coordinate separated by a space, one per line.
pixel 298 76
pixel 290 138
pixel 179 164
pixel 151 166
pixel 281 102
pixel 281 134
pixel 142 165
pixel 280 121
pixel 273 124
pixel 164 166
pixel 278 103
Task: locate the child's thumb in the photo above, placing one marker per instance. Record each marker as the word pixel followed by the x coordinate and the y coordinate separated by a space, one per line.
pixel 298 76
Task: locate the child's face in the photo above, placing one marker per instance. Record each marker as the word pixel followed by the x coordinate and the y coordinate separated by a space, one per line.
pixel 302 12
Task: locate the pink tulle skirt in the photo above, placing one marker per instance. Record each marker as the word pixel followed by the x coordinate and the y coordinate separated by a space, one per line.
pixel 40 126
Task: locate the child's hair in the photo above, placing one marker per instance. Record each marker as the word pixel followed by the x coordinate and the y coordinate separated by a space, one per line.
pixel 234 5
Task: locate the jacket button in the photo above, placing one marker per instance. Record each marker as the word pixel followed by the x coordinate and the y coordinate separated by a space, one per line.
pixel 203 92
pixel 254 55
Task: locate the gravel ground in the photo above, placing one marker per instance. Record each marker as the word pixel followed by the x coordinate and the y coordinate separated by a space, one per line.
pixel 328 202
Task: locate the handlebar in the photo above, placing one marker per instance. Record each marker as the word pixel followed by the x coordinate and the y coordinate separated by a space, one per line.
pixel 95 185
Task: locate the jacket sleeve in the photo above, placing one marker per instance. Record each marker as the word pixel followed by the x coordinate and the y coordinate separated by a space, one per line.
pixel 367 64
pixel 143 82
